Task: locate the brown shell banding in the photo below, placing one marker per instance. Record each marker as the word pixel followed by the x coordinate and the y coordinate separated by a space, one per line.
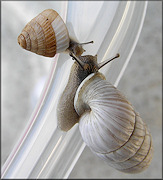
pixel 39 34
pixel 45 19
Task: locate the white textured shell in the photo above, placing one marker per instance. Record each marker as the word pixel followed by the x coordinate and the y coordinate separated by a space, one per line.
pixel 110 127
pixel 46 34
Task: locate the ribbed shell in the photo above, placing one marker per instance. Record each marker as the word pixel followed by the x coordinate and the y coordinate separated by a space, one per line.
pixel 110 127
pixel 45 35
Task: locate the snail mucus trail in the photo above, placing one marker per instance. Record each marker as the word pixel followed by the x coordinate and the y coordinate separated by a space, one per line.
pixel 82 67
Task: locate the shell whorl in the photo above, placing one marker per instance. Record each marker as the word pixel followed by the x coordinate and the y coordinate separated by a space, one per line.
pixel 46 34
pixel 110 127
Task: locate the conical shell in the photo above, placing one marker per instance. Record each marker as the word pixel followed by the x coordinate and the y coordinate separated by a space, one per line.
pixel 45 35
pixel 110 127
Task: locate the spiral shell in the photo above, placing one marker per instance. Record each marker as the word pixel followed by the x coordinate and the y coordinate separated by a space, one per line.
pixel 45 35
pixel 110 127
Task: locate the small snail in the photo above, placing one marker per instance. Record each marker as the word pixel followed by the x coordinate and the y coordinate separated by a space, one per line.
pixel 107 121
pixel 47 34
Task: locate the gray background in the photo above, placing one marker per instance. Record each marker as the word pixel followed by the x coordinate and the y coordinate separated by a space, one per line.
pixel 141 83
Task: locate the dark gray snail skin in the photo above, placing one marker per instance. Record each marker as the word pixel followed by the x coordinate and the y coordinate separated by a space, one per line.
pixel 66 114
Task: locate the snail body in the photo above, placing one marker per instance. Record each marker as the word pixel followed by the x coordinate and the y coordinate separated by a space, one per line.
pixel 108 123
pixel 66 114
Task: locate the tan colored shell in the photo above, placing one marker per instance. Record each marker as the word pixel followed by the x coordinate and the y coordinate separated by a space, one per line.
pixel 45 35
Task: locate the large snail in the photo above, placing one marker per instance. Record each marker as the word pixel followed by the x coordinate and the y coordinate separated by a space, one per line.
pixel 108 123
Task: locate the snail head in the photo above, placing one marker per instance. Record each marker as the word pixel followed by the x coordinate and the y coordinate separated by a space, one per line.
pixel 89 62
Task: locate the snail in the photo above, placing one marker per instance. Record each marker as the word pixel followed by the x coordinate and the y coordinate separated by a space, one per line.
pixel 47 34
pixel 108 123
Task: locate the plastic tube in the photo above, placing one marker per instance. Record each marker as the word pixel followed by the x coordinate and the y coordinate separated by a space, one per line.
pixel 43 151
